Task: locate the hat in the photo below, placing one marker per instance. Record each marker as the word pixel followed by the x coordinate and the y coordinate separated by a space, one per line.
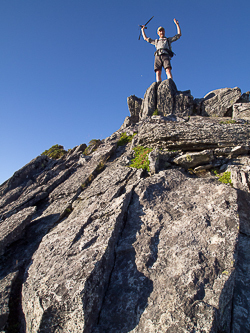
pixel 160 28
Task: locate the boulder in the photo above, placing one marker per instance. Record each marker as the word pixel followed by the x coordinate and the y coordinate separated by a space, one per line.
pixel 149 104
pixel 245 97
pixel 11 229
pixel 192 160
pixel 241 111
pixel 127 122
pixel 80 148
pixel 153 158
pixel 134 105
pixel 184 103
pixel 199 133
pixel 29 171
pixel 166 97
pixel 219 102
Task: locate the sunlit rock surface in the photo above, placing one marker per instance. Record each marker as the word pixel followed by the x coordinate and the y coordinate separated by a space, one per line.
pixel 90 244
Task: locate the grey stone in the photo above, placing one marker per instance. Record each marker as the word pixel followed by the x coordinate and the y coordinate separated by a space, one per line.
pixel 134 105
pixel 241 111
pixel 184 104
pixel 93 145
pixel 149 104
pixel 129 121
pixel 192 160
pixel 12 228
pixel 219 102
pixel 199 133
pixel 115 249
pixel 165 97
pixel 203 167
pixel 26 173
pixel 241 301
pixel 245 97
pixel 156 284
pixel 153 158
pixel 5 292
pixel 89 237
pixel 80 148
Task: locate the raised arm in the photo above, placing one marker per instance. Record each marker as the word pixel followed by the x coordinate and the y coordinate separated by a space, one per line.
pixel 143 33
pixel 178 27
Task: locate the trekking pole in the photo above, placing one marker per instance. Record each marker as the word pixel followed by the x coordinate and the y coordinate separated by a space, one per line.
pixel 144 26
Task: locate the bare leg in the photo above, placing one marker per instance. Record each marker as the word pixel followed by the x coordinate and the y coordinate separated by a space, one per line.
pixel 169 73
pixel 158 75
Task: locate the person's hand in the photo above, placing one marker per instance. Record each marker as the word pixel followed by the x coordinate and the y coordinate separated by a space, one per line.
pixel 176 22
pixel 143 27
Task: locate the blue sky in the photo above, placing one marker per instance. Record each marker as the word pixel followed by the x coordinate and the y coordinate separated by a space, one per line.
pixel 68 66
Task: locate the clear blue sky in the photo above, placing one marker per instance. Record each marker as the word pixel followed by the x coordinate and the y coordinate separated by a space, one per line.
pixel 68 66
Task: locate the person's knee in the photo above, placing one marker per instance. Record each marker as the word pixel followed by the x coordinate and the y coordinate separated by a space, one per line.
pixel 168 72
pixel 158 75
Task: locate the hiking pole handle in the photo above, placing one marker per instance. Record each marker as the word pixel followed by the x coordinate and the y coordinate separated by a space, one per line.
pixel 142 26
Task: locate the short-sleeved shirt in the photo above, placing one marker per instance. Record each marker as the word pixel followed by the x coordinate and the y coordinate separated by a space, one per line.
pixel 163 43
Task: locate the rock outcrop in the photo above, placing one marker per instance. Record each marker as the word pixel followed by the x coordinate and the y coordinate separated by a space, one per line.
pixel 90 244
pixel 241 111
pixel 163 98
pixel 220 102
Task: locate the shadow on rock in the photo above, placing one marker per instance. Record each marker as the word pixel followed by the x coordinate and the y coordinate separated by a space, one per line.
pixel 232 315
pixel 16 258
pixel 241 299
pixel 127 294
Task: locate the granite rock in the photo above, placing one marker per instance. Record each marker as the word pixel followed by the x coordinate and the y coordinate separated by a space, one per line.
pixel 149 104
pixel 91 245
pixel 241 111
pixel 219 102
pixel 134 105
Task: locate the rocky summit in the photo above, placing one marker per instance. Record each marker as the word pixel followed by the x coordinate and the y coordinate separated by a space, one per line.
pixel 145 231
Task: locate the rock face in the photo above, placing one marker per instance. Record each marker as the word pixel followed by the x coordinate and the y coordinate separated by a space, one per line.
pixel 90 244
pixel 241 111
pixel 164 99
pixel 220 102
pixel 134 105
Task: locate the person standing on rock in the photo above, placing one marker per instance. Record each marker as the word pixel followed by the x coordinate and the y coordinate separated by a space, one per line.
pixel 163 51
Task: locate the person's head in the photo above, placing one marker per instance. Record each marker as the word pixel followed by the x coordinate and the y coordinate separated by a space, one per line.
pixel 161 32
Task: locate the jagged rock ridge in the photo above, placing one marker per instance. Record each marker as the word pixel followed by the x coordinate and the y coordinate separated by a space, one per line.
pixel 89 244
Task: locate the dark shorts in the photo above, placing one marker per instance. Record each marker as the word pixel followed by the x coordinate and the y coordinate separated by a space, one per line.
pixel 162 60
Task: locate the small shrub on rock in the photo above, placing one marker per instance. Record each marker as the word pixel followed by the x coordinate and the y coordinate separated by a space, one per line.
pixel 124 139
pixel 225 178
pixel 141 158
pixel 93 145
pixel 55 152
pixel 231 121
